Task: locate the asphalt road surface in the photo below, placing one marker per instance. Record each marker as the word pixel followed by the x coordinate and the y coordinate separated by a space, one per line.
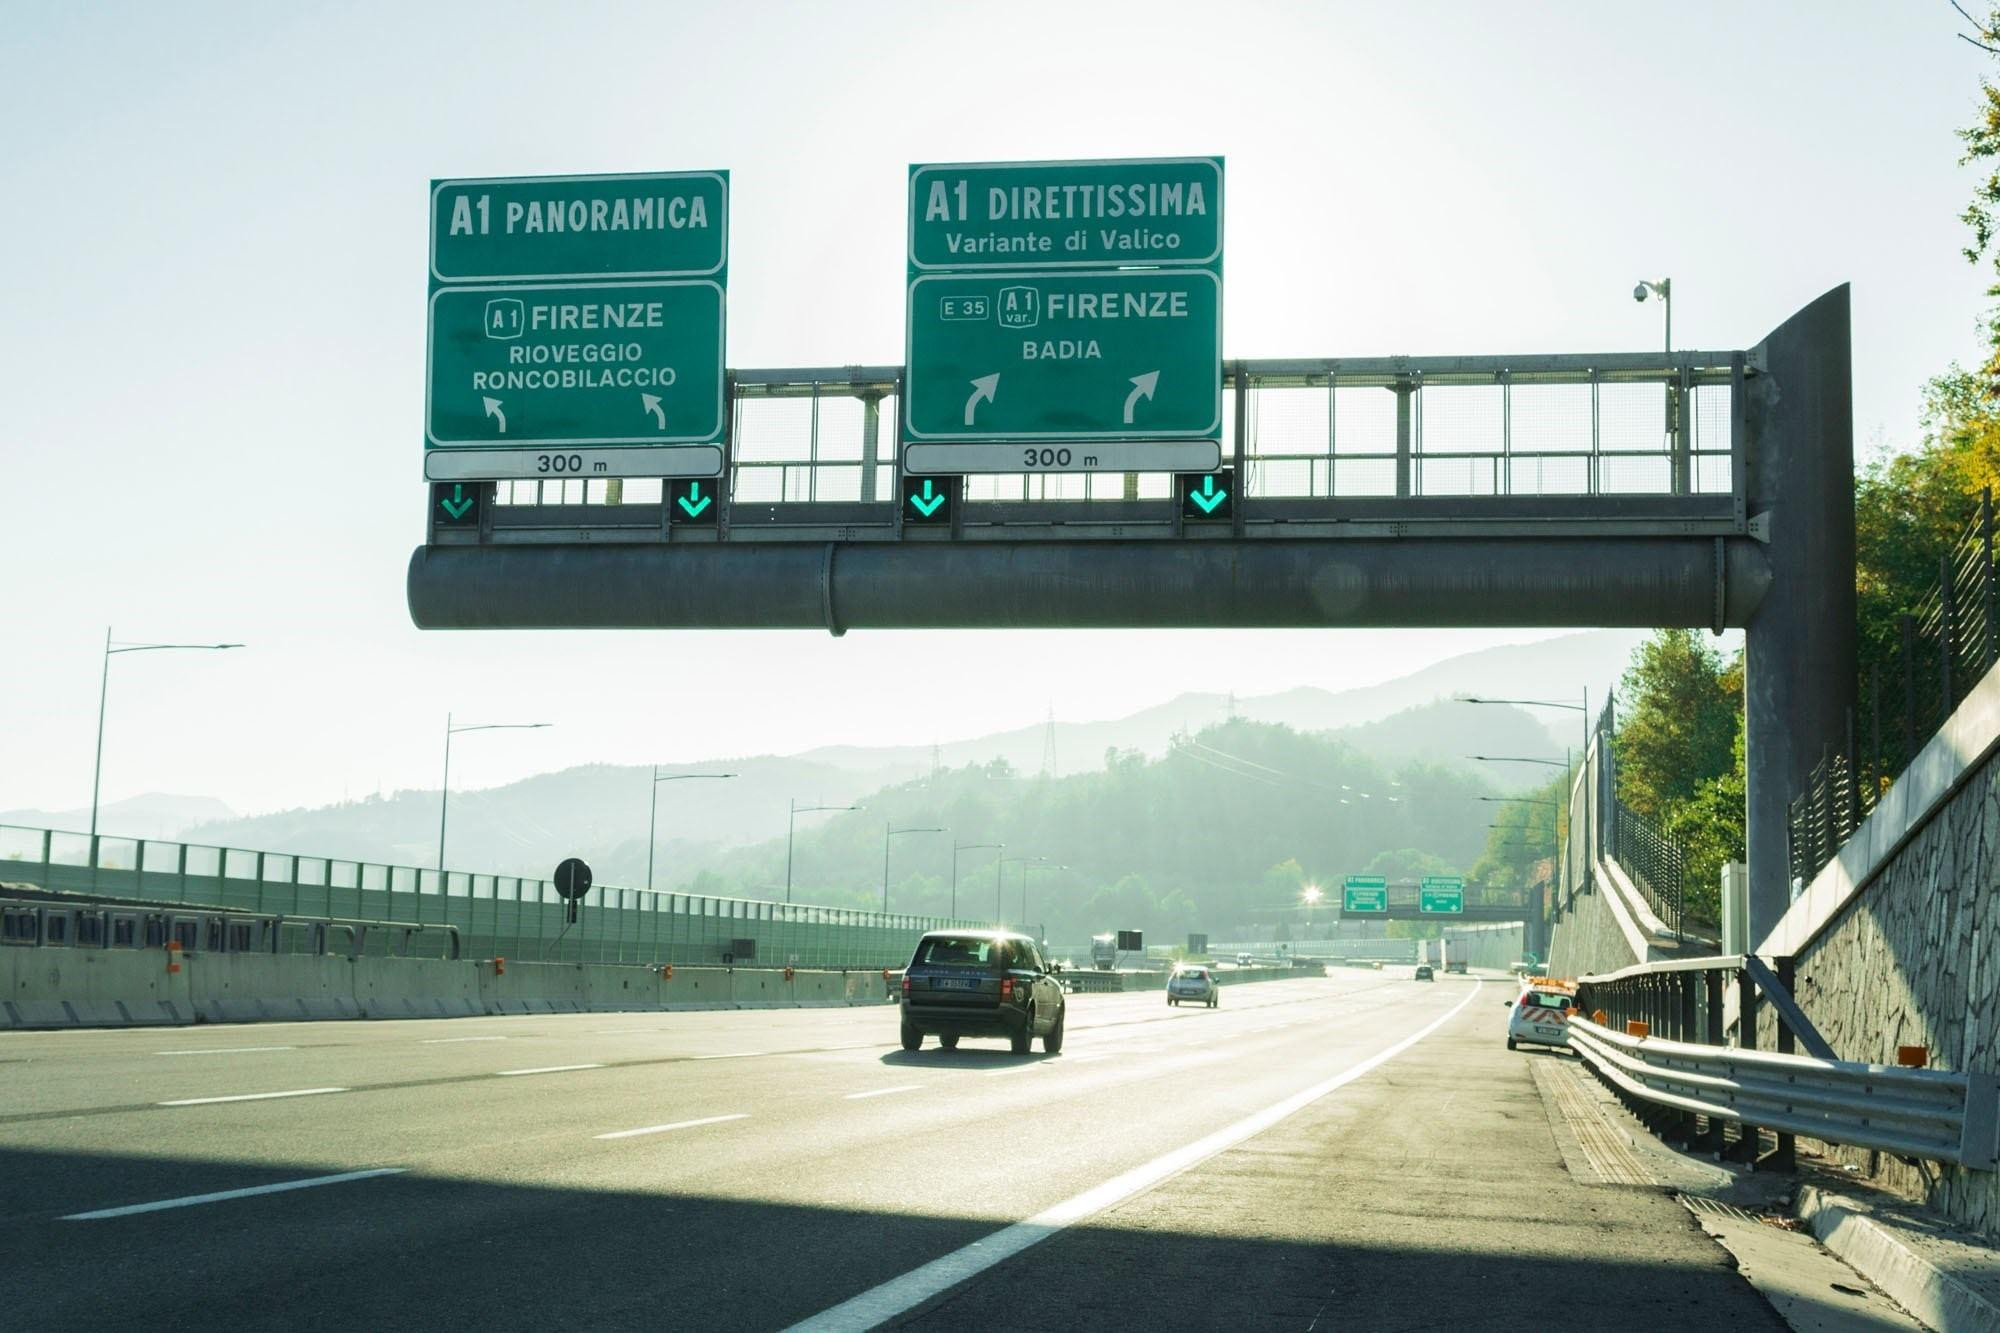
pixel 1358 1151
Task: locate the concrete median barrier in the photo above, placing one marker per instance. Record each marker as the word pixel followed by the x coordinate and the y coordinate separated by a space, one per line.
pixel 52 988
pixel 263 987
pixel 700 988
pixel 529 988
pixel 417 988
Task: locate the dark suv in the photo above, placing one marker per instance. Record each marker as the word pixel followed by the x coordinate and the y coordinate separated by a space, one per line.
pixel 981 983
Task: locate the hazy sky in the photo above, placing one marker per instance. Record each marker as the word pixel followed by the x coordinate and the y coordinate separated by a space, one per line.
pixel 212 317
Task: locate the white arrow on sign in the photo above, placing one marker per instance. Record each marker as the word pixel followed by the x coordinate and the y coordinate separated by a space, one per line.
pixel 493 410
pixel 651 401
pixel 1142 387
pixel 983 388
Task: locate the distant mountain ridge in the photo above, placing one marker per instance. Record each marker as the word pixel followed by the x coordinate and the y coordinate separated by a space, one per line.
pixel 526 826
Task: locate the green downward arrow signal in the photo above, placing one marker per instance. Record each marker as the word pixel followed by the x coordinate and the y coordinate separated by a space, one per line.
pixel 694 501
pixel 1208 497
pixel 927 504
pixel 458 506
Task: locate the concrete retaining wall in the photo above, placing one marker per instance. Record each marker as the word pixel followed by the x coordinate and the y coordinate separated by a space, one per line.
pixel 1590 937
pixel 254 987
pixel 1894 939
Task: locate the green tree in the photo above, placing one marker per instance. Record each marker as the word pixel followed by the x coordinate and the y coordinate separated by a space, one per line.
pixel 1679 722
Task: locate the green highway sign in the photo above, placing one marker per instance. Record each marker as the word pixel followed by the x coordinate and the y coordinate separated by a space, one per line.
pixel 1104 214
pixel 1441 893
pixel 1042 355
pixel 538 365
pixel 545 228
pixel 1207 495
pixel 1364 893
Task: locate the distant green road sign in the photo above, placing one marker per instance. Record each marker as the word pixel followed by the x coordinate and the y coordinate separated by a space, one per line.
pixel 1042 355
pixel 1103 214
pixel 1364 893
pixel 548 228
pixel 526 366
pixel 1441 893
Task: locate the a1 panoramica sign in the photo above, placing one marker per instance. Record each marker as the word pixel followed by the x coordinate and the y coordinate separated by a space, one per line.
pixel 576 326
pixel 1071 302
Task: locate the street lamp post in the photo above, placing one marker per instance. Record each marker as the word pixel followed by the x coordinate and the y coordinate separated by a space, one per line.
pixel 653 815
pixel 1664 289
pixel 104 691
pixel 444 787
pixel 792 812
pixel 956 848
pixel 1025 866
pixel 889 831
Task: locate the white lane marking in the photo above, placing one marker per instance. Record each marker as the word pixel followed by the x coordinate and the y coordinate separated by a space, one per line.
pixel 1086 1059
pixel 678 1124
pixel 898 1295
pixel 447 1041
pixel 883 1092
pixel 546 1069
pixel 219 1196
pixel 728 1055
pixel 250 1097
pixel 227 1050
pixel 1016 1069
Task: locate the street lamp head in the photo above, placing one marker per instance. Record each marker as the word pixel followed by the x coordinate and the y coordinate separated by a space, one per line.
pixel 1639 292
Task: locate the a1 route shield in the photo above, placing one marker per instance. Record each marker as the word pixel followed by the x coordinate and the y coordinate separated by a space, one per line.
pixel 1101 214
pixel 524 366
pixel 1048 355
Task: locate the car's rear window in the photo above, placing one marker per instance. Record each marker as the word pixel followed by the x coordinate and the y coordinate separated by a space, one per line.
pixel 1547 1000
pixel 960 951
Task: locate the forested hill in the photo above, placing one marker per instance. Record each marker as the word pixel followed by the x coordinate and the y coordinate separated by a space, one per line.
pixel 1224 829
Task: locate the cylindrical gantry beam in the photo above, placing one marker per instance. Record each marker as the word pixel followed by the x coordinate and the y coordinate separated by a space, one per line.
pixel 1637 582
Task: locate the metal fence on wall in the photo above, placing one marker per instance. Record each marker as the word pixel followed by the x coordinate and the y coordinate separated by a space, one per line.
pixel 1908 686
pixel 496 915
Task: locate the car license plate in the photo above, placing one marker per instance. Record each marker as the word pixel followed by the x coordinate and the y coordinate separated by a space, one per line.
pixel 1550 1032
pixel 954 983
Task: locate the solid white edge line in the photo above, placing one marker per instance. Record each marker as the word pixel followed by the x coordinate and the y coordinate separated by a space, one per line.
pixel 728 1055
pixel 446 1041
pixel 249 1097
pixel 219 1196
pixel 898 1295
pixel 545 1069
pixel 227 1050
pixel 678 1124
pixel 883 1092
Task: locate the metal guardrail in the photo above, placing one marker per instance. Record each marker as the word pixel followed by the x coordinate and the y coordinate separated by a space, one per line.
pixel 1914 1112
pixel 1678 1062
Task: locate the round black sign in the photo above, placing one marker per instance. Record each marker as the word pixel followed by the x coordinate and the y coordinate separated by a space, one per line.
pixel 572 879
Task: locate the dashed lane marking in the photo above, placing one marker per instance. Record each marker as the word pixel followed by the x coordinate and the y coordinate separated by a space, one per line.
pixel 678 1124
pixel 227 1050
pixel 883 1092
pixel 546 1069
pixel 250 1097
pixel 220 1196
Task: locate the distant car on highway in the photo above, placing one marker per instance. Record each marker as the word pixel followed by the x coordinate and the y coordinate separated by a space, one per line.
pixel 982 983
pixel 1456 965
pixel 1541 1014
pixel 1424 973
pixel 1245 960
pixel 1193 982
